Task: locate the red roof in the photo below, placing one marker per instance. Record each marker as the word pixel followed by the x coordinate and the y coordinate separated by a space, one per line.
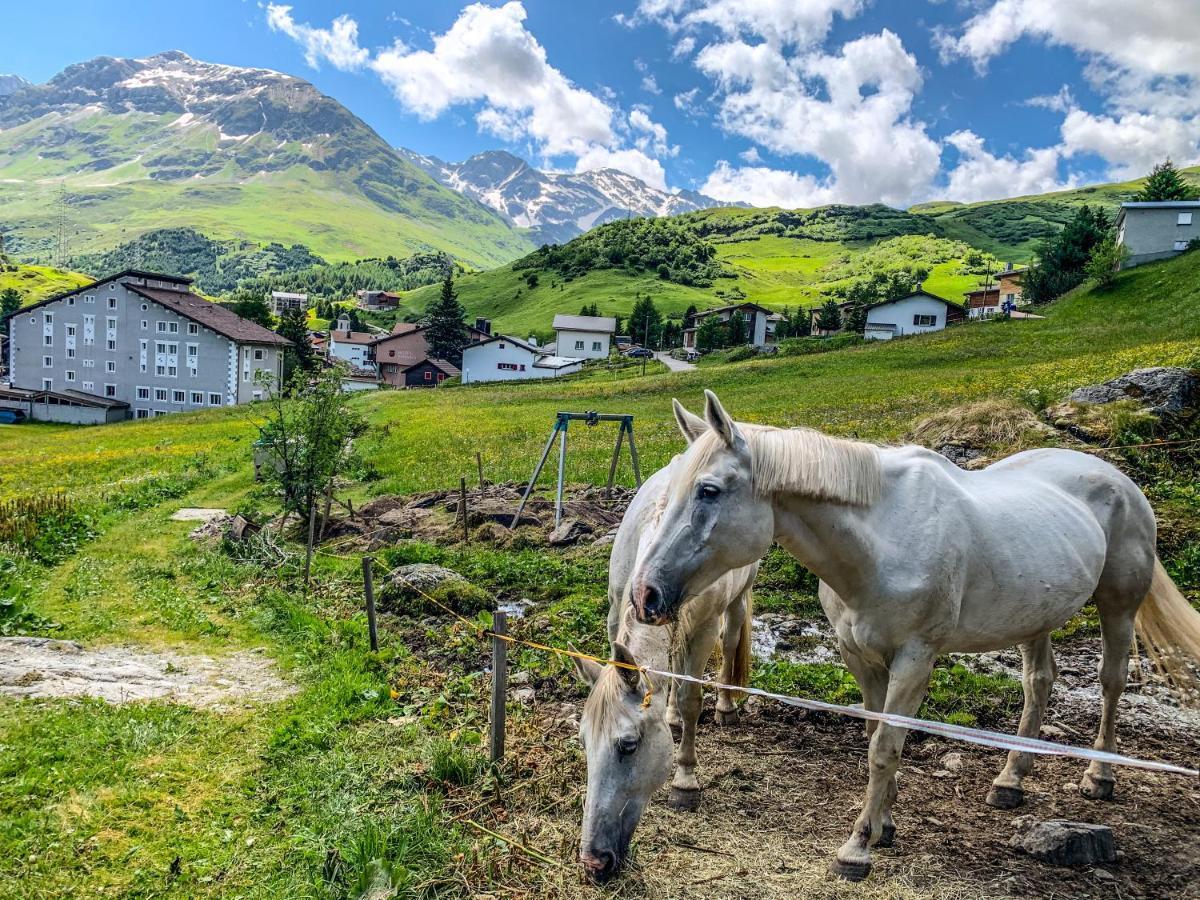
pixel 221 319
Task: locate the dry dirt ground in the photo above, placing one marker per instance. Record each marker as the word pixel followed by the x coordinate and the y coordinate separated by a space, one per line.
pixel 42 667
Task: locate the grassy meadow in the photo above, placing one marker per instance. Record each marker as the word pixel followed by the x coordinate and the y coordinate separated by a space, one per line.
pixel 370 772
pixel 36 283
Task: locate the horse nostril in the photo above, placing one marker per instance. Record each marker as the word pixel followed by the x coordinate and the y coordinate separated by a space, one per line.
pixel 651 601
pixel 600 864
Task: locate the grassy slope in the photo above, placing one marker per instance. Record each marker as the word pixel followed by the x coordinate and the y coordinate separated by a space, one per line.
pixel 38 282
pixel 256 803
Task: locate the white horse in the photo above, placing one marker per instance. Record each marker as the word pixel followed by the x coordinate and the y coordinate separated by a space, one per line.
pixel 918 558
pixel 627 739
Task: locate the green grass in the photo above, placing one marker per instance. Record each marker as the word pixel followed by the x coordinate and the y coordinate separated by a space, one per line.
pixel 36 283
pixel 355 779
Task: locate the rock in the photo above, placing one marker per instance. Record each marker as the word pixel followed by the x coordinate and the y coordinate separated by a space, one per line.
pixel 1164 391
pixel 606 540
pixel 421 577
pixel 1053 733
pixel 519 678
pixel 492 533
pixel 403 517
pixel 960 455
pixel 525 696
pixel 952 762
pixel 1062 843
pixel 1104 874
pixel 570 531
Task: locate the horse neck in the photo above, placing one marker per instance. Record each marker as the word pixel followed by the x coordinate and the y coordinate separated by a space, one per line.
pixel 834 541
pixel 649 644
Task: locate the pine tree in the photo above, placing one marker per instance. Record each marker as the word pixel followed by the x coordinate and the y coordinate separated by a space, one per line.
pixel 447 331
pixel 856 319
pixel 1165 183
pixel 10 302
pixel 735 329
pixel 710 335
pixel 293 325
pixel 645 322
pixel 830 317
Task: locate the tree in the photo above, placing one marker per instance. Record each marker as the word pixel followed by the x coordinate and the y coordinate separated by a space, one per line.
pixel 830 317
pixel 308 438
pixel 711 334
pixel 10 302
pixel 618 323
pixel 856 318
pixel 1165 183
pixel 447 331
pixel 589 310
pixel 1105 261
pixel 689 316
pixel 645 322
pixel 253 306
pixel 293 325
pixel 1062 259
pixel 735 329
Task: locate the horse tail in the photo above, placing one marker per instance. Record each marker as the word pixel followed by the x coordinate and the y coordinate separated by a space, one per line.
pixel 1170 629
pixel 742 657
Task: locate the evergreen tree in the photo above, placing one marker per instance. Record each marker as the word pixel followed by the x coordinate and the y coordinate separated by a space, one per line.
pixel 1165 183
pixel 710 335
pixel 689 317
pixel 293 325
pixel 619 322
pixel 447 331
pixel 645 322
pixel 253 306
pixel 10 302
pixel 1062 259
pixel 735 329
pixel 830 317
pixel 1106 260
pixel 856 319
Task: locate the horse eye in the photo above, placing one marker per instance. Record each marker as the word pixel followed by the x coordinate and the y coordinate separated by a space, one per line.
pixel 627 746
pixel 709 492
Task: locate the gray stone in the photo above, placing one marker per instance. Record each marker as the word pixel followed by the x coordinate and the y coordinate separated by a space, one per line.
pixel 1062 843
pixel 1162 390
pixel 525 696
pixel 959 454
pixel 570 531
pixel 421 577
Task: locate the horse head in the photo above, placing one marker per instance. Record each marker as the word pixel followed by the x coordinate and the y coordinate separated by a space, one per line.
pixel 629 752
pixel 713 519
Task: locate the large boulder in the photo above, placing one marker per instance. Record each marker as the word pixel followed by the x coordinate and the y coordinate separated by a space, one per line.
pixel 1164 391
pixel 1063 843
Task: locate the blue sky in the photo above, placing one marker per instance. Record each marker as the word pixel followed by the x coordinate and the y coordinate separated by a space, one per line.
pixel 797 102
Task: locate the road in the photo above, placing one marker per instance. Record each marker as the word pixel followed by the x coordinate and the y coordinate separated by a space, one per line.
pixel 675 365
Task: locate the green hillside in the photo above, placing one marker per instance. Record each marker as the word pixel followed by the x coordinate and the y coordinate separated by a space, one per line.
pixel 36 283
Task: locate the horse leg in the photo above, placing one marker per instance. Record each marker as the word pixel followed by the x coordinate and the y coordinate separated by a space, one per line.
pixel 1117 630
pixel 685 787
pixel 908 681
pixel 873 682
pixel 731 634
pixel 1037 678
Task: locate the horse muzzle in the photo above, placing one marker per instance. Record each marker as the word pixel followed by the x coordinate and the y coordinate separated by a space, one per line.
pixel 653 606
pixel 599 865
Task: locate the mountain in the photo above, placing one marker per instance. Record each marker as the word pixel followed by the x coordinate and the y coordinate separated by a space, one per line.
pixel 11 83
pixel 236 153
pixel 556 207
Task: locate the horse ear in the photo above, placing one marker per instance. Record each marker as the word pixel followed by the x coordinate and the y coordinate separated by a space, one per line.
pixel 587 670
pixel 691 425
pixel 720 421
pixel 631 677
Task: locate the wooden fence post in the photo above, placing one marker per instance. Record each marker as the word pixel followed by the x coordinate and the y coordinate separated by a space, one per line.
pixel 479 466
pixel 462 502
pixel 312 524
pixel 499 684
pixel 369 590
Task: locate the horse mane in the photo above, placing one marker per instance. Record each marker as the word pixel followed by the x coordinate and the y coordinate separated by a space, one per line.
pixel 799 461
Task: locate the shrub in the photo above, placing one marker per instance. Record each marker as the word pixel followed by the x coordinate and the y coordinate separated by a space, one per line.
pixel 46 528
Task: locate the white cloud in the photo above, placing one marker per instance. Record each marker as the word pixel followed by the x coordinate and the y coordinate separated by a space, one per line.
pixel 762 186
pixel 650 85
pixel 779 22
pixel 981 176
pixel 337 45
pixel 751 156
pixel 1133 142
pixel 684 47
pixel 1061 101
pixel 1159 37
pixel 688 103
pixel 650 136
pixel 489 56
pixel 860 126
pixel 632 162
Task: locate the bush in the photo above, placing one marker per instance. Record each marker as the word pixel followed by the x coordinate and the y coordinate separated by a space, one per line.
pixel 803 346
pixel 46 528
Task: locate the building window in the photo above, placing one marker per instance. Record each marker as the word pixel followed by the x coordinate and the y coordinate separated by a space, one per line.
pixel 428 375
pixel 70 331
pixel 924 320
pixel 259 355
pixel 159 412
pixel 89 364
pixel 160 394
pixel 47 362
pixel 1181 245
pixel 579 345
pixel 198 398
pixel 110 346
pixel 145 307
pixel 70 375
pixel 47 384
pixel 595 345
pixel 70 301
pixel 110 390
pixel 391 353
pixel 145 324
pixel 70 353
pixel 89 298
pixel 214 399
pixel 1184 219
pixel 161 327
pixel 1010 297
pixel 178 396
pixel 110 366
pixel 256 395
pixel 508 367
pixel 112 302
pixel 48 340
pixel 141 413
pixel 143 393
pixel 48 317
pixel 522 367
pixel 89 386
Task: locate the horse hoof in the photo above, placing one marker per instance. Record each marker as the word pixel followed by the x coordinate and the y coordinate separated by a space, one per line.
pixel 726 718
pixel 684 800
pixel 1096 788
pixel 850 871
pixel 1005 797
pixel 887 837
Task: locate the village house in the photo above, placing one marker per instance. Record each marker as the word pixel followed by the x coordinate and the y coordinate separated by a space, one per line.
pixel 1157 230
pixel 503 358
pixel 378 299
pixel 403 356
pixel 917 313
pixel 352 347
pixel 760 323
pixel 142 339
pixel 282 301
pixel 584 337
pixel 992 300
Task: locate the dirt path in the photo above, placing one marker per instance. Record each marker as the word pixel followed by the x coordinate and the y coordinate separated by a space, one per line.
pixel 46 668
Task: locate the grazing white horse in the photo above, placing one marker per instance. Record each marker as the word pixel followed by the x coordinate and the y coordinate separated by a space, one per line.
pixel 917 558
pixel 628 740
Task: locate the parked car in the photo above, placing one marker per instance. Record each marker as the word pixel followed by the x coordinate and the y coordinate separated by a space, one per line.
pixel 11 417
pixel 640 353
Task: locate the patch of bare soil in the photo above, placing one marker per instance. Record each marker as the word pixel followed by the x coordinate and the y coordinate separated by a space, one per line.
pixel 44 668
